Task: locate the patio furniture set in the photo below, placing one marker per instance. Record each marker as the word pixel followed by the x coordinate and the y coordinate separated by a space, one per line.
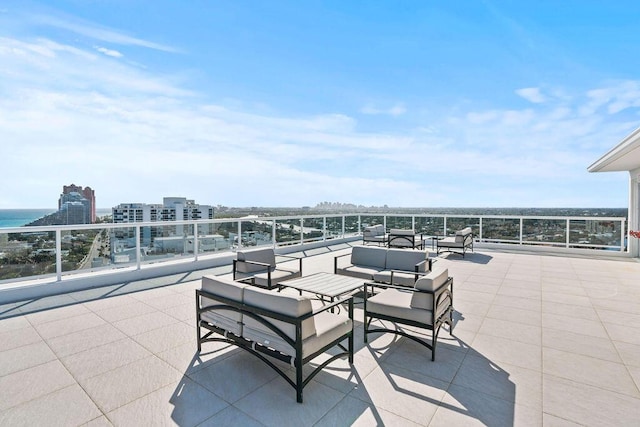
pixel 460 242
pixel 251 312
pixel 395 238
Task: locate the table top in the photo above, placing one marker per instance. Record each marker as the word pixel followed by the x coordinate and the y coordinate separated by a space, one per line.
pixel 327 284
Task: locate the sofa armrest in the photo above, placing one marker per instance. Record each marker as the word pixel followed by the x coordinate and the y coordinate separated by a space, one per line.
pixel 292 258
pixel 335 262
pixel 429 261
pixel 266 267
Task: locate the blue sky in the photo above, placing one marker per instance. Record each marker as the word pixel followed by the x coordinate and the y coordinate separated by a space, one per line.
pixel 290 103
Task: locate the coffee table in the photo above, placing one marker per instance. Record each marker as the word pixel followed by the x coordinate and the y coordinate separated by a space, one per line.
pixel 325 285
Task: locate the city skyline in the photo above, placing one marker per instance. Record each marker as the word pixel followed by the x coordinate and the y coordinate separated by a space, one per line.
pixel 291 104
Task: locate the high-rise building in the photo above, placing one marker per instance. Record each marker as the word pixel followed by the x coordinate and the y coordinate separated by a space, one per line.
pixel 76 205
pixel 87 193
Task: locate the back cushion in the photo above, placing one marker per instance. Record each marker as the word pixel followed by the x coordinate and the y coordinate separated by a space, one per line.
pixel 225 319
pixel 291 305
pixel 402 232
pixel 374 230
pixel 368 255
pixel 461 234
pixel 266 256
pixel 400 259
pixel 429 282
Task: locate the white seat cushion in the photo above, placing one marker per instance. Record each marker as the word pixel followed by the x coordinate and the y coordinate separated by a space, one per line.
pixel 397 303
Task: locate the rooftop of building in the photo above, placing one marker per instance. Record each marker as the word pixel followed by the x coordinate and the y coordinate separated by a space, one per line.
pixel 539 339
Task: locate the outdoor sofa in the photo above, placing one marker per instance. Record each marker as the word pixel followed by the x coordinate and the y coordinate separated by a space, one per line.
pixel 459 242
pixel 395 266
pixel 428 305
pixel 259 267
pixel 273 325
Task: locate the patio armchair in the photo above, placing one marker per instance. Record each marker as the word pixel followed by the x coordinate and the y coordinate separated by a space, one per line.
pixel 374 234
pixel 459 243
pixel 428 305
pixel 259 267
pixel 401 238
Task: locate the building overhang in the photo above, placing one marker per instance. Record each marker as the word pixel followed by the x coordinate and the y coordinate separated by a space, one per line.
pixel 623 157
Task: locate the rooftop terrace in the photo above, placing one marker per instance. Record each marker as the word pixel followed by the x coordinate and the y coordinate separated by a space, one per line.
pixel 540 339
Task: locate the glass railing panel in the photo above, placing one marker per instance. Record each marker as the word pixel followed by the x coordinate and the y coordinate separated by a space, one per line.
pixel 287 231
pixel 228 230
pixel 401 222
pixel 83 250
pixel 24 255
pixel 351 223
pixel 334 227
pixel 458 223
pixel 501 230
pixel 215 237
pixel 367 220
pixel 595 233
pixel 257 233
pixel 165 242
pixel 430 225
pixel 312 229
pixel 544 231
pixel 122 246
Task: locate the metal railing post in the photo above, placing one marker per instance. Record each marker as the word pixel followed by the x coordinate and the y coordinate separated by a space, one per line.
pixel 521 229
pixel 273 233
pixel 196 242
pixel 58 255
pixel 138 247
pixel 301 231
pixel 568 233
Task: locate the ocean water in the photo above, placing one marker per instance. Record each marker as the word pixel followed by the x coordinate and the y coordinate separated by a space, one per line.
pixel 20 217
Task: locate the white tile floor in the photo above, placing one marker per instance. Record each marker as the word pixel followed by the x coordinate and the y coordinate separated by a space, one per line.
pixel 539 340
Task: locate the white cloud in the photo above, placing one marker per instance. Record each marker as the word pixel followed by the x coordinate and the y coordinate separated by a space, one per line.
pixel 98 32
pixel 532 94
pixel 108 52
pixel 395 110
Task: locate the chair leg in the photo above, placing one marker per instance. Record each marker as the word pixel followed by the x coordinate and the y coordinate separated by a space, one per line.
pixel 299 385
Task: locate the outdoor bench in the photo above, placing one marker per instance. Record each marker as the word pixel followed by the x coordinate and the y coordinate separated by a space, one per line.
pixel 395 266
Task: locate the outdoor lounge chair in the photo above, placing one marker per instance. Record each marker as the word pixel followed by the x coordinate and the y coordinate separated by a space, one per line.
pixel 401 238
pixel 259 268
pixel 374 234
pixel 462 240
pixel 428 305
